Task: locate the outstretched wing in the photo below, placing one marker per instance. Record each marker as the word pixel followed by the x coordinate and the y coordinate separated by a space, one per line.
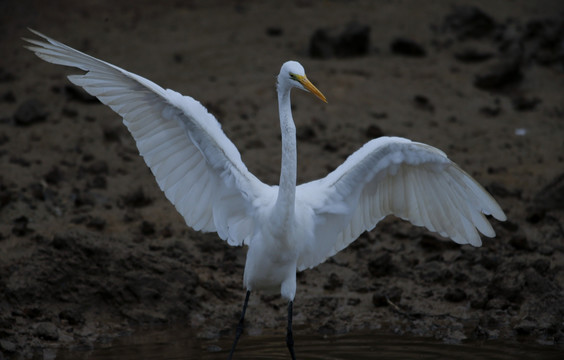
pixel 413 181
pixel 195 164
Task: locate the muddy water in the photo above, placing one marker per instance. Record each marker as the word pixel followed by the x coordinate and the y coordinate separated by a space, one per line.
pixel 180 344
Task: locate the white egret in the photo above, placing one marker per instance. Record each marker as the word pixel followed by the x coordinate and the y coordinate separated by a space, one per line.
pixel 287 228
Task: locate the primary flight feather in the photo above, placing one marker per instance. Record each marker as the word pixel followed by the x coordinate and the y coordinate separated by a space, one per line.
pixel 287 228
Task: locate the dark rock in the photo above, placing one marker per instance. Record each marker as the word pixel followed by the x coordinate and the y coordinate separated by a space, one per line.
pixel 490 262
pixel 353 40
pixel 255 144
pixel 177 57
pixel 167 231
pixel 98 167
pixel 63 241
pixel 96 223
pixel 455 295
pixel 430 243
pixel 20 161
pixel 423 103
pixel 6 76
pixel 545 250
pixel 381 266
pixel 469 22
pixel 136 199
pixel 73 317
pixel 334 282
pixel 522 103
pixel 54 176
pixel 8 97
pixel 544 38
pixel 82 198
pixel 20 227
pixel 535 216
pixel 359 284
pixel 112 134
pixel 217 290
pixel 460 277
pixel 305 133
pixel 331 147
pixel 7 346
pixel 274 31
pixel 178 250
pixel 70 113
pixel 322 45
pixel 550 197
pixel 6 196
pixel 98 182
pixel 353 301
pixel 373 132
pixel 146 287
pixel 501 190
pixel 525 327
pixel 394 294
pixel 4 139
pixel 498 170
pixel 497 303
pixel 473 55
pixel 538 284
pixel 33 312
pixel 41 192
pixel 379 115
pixel 211 247
pixel 488 321
pixel 510 226
pixel 541 266
pixel 507 286
pixel 481 333
pixel 490 111
pixel 499 75
pixel 147 228
pixel 379 300
pixel 75 93
pixel 87 157
pixel 47 331
pixel 116 293
pixel 407 47
pixel 434 272
pixel 30 112
pixel 479 302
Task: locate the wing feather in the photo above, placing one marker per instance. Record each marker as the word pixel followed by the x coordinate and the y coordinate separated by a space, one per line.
pixel 413 181
pixel 195 164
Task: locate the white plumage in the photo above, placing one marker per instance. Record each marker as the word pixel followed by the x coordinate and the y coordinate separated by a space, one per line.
pixel 286 227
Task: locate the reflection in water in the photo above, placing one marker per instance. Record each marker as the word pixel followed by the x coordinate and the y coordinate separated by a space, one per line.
pixel 178 343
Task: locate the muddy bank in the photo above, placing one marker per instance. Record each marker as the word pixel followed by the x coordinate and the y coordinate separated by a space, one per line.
pixel 90 249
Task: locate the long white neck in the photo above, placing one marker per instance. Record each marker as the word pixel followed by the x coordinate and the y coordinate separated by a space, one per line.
pixel 284 208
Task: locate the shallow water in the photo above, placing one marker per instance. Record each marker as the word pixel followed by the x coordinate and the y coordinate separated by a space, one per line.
pixel 174 343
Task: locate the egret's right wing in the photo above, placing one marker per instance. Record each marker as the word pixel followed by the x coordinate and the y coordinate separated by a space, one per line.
pixel 413 181
pixel 195 164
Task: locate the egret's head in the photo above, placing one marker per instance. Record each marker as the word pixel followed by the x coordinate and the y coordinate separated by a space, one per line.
pixel 292 74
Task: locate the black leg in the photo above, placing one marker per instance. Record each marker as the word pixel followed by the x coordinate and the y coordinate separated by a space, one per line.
pixel 239 326
pixel 289 334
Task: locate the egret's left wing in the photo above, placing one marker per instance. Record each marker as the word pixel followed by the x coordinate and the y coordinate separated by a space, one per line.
pixel 195 164
pixel 413 181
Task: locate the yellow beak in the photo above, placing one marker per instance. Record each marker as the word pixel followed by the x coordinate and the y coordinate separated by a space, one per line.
pixel 310 87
